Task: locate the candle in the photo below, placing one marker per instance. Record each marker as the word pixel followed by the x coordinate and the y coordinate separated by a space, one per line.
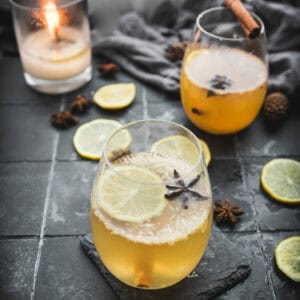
pixel 54 44
pixel 56 52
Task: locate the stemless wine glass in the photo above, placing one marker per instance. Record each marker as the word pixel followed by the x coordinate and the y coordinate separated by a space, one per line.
pixel 151 209
pixel 224 73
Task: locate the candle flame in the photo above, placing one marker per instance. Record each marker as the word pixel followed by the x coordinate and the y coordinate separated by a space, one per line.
pixel 52 20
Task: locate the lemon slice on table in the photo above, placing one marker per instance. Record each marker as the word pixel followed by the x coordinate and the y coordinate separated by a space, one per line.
pixel 178 146
pixel 287 256
pixel 90 138
pixel 125 199
pixel 280 178
pixel 115 96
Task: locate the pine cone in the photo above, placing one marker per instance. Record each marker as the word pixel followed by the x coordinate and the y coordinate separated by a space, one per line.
pixel 275 107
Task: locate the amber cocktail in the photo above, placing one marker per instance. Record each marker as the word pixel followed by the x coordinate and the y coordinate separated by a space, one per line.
pixel 137 240
pixel 224 74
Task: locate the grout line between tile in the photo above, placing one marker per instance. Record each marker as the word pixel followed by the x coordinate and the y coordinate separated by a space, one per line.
pixel 19 237
pixel 145 104
pixel 24 161
pixel 258 230
pixel 45 210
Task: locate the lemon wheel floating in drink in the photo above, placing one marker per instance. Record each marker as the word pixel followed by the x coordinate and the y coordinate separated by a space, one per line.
pixel 151 210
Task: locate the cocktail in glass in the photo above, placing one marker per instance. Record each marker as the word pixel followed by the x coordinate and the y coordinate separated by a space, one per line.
pixel 224 73
pixel 151 211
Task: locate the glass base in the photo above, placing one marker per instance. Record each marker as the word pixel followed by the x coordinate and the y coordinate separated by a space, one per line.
pixel 59 86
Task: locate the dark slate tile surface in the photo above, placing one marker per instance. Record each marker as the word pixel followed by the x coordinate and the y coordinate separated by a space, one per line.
pixel 257 286
pixel 23 189
pixel 220 146
pixel 66 273
pixel 98 81
pixel 69 204
pixel 155 95
pixel 25 132
pixel 226 178
pixel 227 182
pixel 13 87
pixel 16 268
pixel 259 140
pixel 271 215
pixel 65 147
pixel 165 110
pixel 285 288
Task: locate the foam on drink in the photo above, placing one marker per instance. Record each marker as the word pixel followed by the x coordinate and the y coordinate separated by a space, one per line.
pixel 246 71
pixel 175 222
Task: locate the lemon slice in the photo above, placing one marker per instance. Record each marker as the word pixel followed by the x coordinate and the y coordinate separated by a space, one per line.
pixel 205 151
pixel 90 138
pixel 178 146
pixel 125 199
pixel 280 178
pixel 287 255
pixel 115 96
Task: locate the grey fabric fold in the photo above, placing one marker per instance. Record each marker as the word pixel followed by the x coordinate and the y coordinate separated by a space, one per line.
pixel 139 46
pixel 222 267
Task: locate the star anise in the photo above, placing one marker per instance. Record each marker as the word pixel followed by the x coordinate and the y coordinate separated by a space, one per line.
pixel 108 69
pixel 226 213
pixel 80 104
pixel 176 52
pixel 182 189
pixel 219 82
pixel 63 119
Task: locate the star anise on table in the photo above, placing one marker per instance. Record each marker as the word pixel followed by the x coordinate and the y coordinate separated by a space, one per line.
pixel 80 104
pixel 176 52
pixel 63 119
pixel 108 69
pixel 226 213
pixel 183 189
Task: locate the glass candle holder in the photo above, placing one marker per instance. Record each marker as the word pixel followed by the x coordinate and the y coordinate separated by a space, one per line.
pixel 54 43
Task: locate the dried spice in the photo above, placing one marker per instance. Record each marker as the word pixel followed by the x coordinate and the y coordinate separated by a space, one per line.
pixel 183 189
pixel 80 105
pixel 63 119
pixel 226 213
pixel 219 82
pixel 275 108
pixel 176 52
pixel 196 111
pixel 108 69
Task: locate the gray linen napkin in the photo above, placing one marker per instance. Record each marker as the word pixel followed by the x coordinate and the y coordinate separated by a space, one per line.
pixel 222 267
pixel 139 46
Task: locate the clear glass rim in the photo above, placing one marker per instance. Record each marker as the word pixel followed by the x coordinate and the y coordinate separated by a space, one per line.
pixel 221 38
pixel 110 165
pixel 28 7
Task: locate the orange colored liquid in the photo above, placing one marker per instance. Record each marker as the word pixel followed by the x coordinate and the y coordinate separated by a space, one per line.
pixel 159 252
pixel 222 111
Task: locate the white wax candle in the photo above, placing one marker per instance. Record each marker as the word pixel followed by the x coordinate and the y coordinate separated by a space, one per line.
pixel 45 58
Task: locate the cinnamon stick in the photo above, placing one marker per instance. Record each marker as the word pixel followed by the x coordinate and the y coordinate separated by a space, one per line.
pixel 248 24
